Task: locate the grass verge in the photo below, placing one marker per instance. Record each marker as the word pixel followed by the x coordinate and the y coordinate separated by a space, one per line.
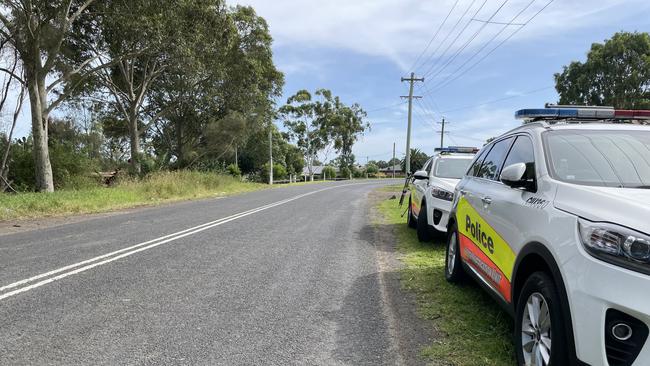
pixel 474 330
pixel 156 188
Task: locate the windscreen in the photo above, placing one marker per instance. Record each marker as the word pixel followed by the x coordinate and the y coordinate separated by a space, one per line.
pixel 600 158
pixel 451 168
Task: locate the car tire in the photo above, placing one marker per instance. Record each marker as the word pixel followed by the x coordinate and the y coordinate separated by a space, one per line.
pixel 410 219
pixel 424 232
pixel 454 271
pixel 538 318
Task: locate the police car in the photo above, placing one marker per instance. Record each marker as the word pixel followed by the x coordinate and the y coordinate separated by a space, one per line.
pixel 553 219
pixel 433 187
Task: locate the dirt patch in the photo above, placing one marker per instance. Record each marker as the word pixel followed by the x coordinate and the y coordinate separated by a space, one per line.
pixel 410 332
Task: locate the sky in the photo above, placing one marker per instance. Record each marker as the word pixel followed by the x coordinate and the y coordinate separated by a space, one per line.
pixel 477 74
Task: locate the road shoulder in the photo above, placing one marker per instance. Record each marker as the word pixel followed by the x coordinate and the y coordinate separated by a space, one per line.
pixel 409 332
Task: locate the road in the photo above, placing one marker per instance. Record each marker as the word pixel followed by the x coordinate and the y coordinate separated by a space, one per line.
pixel 282 276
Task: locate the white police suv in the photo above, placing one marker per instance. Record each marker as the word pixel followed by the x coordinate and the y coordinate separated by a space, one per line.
pixel 433 189
pixel 553 219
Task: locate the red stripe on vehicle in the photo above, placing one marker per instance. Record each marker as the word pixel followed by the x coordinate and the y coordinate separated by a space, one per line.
pixel 475 257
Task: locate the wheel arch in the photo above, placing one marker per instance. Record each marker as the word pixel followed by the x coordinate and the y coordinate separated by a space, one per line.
pixel 536 257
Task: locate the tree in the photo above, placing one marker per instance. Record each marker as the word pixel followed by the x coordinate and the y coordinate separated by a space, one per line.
pixel 329 172
pixel 616 73
pixel 140 38
pixel 418 159
pixel 372 169
pixel 50 41
pixel 316 123
pixel 7 85
pixel 301 119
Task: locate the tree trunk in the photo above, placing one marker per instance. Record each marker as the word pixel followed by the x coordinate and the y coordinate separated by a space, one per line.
pixel 134 142
pixel 38 103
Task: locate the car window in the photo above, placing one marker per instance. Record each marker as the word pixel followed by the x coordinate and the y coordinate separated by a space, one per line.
pixel 476 166
pixel 428 166
pixel 601 158
pixel 451 167
pixel 522 152
pixel 494 159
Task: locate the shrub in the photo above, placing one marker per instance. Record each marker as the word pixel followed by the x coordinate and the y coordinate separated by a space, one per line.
pixel 234 170
pixel 329 172
pixel 345 172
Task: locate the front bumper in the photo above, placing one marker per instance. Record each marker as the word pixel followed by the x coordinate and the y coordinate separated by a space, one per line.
pixel 439 214
pixel 593 288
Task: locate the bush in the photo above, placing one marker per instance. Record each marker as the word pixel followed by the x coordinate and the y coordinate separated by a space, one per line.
pixel 345 172
pixel 234 170
pixel 279 172
pixel 329 172
pixel 372 170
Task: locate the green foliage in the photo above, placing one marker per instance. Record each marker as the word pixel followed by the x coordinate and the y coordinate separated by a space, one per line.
pixel 329 172
pixel 279 172
pixel 372 169
pixel 234 170
pixel 418 159
pixel 345 172
pixel 616 73
pixel 314 122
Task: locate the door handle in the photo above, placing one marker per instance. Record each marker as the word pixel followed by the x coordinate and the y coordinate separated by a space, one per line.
pixel 462 192
pixel 487 200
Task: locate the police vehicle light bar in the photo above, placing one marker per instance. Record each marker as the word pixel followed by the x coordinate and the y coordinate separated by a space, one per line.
pixel 456 149
pixel 581 112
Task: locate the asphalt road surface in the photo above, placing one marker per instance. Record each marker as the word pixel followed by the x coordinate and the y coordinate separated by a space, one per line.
pixel 276 277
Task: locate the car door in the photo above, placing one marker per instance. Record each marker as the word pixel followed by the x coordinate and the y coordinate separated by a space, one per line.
pixel 517 213
pixel 419 188
pixel 482 248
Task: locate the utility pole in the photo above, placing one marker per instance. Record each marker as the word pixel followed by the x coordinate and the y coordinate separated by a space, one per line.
pixel 410 97
pixel 236 160
pixel 442 133
pixel 270 153
pixel 393 161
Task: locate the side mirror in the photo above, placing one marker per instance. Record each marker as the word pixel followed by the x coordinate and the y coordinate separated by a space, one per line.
pixel 420 175
pixel 515 176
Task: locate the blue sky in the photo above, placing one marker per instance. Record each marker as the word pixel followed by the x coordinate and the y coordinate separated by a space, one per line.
pixel 360 49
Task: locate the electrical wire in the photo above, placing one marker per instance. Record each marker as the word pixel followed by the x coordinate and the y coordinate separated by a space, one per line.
pixel 434 36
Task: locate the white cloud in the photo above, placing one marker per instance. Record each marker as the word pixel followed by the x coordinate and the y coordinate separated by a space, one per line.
pixel 399 31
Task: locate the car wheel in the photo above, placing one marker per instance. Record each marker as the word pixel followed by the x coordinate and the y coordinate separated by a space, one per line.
pixel 424 234
pixel 454 271
pixel 539 324
pixel 410 219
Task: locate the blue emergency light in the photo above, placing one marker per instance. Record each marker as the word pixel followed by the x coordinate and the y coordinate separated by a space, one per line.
pixel 456 149
pixel 566 112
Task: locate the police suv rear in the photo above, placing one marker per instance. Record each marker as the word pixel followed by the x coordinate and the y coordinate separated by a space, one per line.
pixel 552 219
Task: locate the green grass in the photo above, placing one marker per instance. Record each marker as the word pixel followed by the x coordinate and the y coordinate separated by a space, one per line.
pixel 156 188
pixel 474 329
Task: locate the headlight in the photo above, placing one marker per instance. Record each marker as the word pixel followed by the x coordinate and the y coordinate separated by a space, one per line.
pixel 442 194
pixel 616 244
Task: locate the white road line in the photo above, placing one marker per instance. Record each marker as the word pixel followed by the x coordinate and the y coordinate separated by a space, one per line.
pixel 125 252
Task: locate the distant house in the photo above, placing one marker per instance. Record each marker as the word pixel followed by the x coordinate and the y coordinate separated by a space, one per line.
pixel 317 170
pixel 389 170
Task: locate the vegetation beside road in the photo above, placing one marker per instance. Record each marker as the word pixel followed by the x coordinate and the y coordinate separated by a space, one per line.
pixel 154 189
pixel 474 330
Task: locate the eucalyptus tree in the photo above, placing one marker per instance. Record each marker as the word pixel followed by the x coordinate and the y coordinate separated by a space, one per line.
pixel 616 73
pixel 51 38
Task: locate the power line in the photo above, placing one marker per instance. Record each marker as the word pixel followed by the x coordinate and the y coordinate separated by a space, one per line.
pixel 470 40
pixel 432 67
pixel 491 51
pixel 434 36
pixel 431 56
pixel 505 26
